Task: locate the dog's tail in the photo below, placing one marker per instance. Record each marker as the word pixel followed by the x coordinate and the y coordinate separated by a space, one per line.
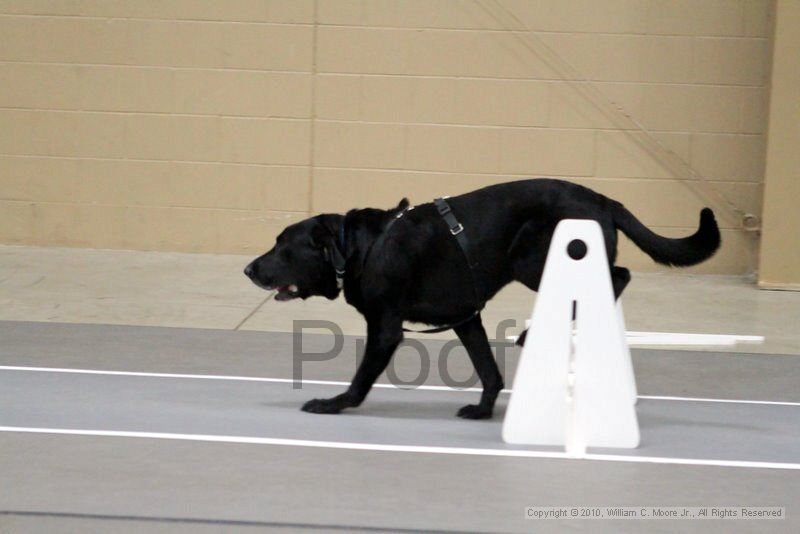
pixel 681 252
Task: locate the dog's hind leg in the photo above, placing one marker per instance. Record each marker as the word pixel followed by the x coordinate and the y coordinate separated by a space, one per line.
pixel 528 252
pixel 473 336
pixel 384 334
pixel 620 277
pixel 527 255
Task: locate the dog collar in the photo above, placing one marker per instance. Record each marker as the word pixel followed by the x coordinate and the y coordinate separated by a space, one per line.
pixel 337 258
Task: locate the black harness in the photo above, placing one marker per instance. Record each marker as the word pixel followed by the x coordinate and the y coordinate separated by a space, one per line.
pixel 338 260
pixel 457 230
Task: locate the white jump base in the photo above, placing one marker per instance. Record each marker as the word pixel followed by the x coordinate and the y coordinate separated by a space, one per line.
pixel 575 385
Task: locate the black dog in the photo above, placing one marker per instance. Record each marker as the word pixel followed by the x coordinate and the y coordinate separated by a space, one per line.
pixel 407 264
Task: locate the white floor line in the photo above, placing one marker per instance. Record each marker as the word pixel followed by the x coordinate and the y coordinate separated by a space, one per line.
pixel 516 453
pixel 343 383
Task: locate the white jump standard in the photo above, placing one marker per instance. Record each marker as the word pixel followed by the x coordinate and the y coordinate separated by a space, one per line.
pixel 574 389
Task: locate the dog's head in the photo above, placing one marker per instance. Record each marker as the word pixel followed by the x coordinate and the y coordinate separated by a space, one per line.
pixel 299 265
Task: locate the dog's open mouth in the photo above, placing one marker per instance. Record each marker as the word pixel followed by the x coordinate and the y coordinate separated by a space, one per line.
pixel 286 292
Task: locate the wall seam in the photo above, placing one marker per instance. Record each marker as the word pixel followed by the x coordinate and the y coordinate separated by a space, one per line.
pixel 313 110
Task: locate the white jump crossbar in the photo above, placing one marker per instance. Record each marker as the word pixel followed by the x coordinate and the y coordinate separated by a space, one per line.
pixel 636 339
pixel 669 338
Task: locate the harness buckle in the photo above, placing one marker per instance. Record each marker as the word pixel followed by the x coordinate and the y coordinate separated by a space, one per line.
pixel 457 229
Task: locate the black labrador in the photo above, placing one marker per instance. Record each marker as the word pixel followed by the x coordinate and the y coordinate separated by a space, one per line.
pixel 405 264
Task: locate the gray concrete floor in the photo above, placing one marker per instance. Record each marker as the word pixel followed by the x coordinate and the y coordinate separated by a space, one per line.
pixel 196 314
pixel 680 429
pixel 90 483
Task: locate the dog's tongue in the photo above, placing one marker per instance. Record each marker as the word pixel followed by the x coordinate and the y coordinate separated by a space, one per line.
pixel 286 293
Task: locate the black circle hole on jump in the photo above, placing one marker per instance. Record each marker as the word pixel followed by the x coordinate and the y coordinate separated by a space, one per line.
pixel 576 249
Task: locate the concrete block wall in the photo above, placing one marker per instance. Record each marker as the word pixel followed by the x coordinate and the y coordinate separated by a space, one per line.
pixel 208 126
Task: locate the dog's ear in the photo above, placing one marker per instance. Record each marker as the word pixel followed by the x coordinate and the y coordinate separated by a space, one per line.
pixel 323 233
pixel 321 236
pixel 403 204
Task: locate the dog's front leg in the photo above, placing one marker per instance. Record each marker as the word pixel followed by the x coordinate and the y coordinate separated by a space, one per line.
pixel 473 336
pixel 384 334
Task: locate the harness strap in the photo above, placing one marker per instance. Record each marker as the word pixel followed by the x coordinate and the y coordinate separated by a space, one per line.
pixel 445 327
pixel 457 230
pixel 397 217
pixel 338 260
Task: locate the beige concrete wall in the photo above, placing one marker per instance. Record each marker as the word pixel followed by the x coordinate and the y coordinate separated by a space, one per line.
pixel 207 126
pixel 780 244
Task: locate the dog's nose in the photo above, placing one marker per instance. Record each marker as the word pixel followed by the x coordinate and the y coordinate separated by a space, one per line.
pixel 249 271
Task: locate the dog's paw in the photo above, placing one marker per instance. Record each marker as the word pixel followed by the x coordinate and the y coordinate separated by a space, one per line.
pixel 474 411
pixel 522 337
pixel 333 405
